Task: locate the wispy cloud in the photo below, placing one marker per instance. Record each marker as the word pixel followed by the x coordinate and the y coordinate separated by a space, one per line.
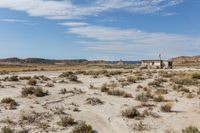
pixel 66 9
pixel 73 24
pixel 13 20
pixel 21 21
pixel 133 41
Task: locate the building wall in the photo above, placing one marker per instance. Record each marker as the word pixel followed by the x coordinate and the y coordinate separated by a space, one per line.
pixel 156 64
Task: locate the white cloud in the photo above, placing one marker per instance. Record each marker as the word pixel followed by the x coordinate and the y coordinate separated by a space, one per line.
pixel 132 41
pixel 13 20
pixel 66 9
pixel 21 21
pixel 73 24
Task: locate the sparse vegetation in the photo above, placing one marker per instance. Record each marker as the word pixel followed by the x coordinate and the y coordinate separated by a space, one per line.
pixel 94 101
pixel 196 75
pixel 104 88
pixel 63 91
pixel 140 126
pixel 32 82
pixel 10 102
pixel 6 130
pixel 190 129
pixel 49 85
pixel 166 107
pixel 82 128
pixel 131 113
pixel 184 81
pixel 66 121
pixel 39 92
pixel 159 98
pixel 13 78
pixel 119 93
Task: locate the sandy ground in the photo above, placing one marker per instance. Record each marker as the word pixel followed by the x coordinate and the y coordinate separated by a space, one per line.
pixel 105 118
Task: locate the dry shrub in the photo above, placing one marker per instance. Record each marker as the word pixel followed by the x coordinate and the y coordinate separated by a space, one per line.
pixel 6 129
pixel 131 113
pixel 190 129
pixel 4 72
pixel 157 82
pixel 49 85
pixel 34 117
pixel 66 74
pixel 104 88
pixel 63 91
pixel 144 96
pixel 32 82
pixel 13 78
pixel 44 78
pixel 94 101
pixel 190 95
pixel 139 86
pixel 119 93
pixel 9 101
pixel 38 92
pixel 159 98
pixel 166 74
pixel 25 78
pixel 184 81
pixel 161 91
pixel 140 126
pixel 166 107
pixel 131 79
pixel 81 72
pixel 66 121
pixel 82 128
pixel 196 75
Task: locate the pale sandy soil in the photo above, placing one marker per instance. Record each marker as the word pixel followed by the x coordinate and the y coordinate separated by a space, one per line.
pixel 104 118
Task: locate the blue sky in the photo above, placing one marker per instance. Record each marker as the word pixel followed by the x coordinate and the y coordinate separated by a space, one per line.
pixel 99 29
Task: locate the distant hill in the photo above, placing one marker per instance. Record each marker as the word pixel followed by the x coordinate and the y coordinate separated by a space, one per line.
pixel 125 62
pixel 15 60
pixel 186 60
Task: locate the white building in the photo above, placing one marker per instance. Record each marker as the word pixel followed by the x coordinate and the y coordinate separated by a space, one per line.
pixel 159 64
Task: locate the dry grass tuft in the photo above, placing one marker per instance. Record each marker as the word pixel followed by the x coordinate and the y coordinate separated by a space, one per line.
pixel 10 102
pixel 119 93
pixel 131 113
pixel 66 121
pixel 94 101
pixel 166 107
pixel 190 129
pixel 82 128
pixel 38 92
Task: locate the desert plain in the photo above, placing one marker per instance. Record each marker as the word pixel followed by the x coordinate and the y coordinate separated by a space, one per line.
pixel 100 101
